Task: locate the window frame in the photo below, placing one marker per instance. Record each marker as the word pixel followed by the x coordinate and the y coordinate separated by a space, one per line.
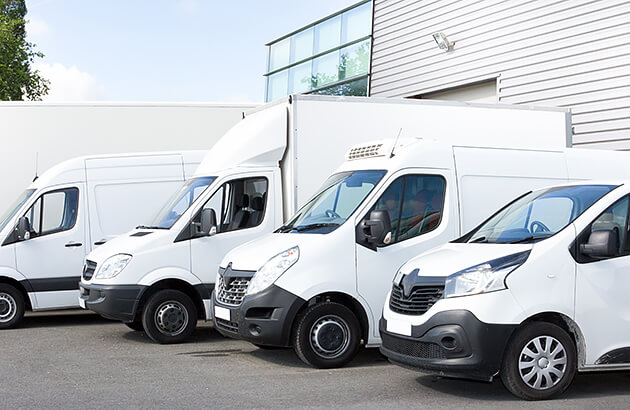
pixel 41 211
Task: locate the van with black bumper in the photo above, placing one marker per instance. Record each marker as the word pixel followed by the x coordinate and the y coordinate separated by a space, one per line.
pixel 522 295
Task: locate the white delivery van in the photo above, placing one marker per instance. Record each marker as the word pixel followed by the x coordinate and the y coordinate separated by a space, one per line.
pixel 533 294
pixel 160 279
pixel 71 209
pixel 319 283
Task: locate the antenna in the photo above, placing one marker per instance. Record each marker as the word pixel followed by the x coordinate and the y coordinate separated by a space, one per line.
pixel 36 165
pixel 391 154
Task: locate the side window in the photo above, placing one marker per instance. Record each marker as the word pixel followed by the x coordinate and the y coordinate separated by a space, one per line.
pixel 239 204
pixel 615 218
pixel 415 205
pixel 54 211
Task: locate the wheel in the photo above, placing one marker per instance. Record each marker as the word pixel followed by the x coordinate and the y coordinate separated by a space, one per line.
pixel 326 335
pixel 135 325
pixel 12 306
pixel 169 316
pixel 539 362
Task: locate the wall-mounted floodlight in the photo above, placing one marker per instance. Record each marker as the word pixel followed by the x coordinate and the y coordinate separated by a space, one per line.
pixel 442 41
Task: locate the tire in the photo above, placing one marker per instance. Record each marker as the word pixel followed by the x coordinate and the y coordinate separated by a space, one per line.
pixel 169 316
pixel 535 347
pixel 12 306
pixel 327 335
pixel 135 325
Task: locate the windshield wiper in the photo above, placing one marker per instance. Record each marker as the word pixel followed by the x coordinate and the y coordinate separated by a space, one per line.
pixel 314 226
pixel 532 238
pixel 284 228
pixel 149 227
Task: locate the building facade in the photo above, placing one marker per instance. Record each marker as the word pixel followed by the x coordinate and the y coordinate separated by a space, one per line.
pixel 555 53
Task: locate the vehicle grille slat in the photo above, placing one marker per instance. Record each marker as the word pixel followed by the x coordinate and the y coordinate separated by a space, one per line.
pixel 233 293
pixel 420 300
pixel 88 269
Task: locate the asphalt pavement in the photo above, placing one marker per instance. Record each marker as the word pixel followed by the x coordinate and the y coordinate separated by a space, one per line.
pixel 77 359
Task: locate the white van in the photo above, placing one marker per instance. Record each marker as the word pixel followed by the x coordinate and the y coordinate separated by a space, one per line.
pixel 319 283
pixel 71 209
pixel 536 292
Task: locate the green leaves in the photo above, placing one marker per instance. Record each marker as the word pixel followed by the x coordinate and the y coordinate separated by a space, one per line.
pixel 17 78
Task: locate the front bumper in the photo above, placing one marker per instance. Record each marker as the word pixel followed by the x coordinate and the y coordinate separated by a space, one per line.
pixel 451 343
pixel 265 318
pixel 118 302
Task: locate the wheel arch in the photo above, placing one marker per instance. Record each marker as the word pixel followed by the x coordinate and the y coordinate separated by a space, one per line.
pixel 173 284
pixel 19 286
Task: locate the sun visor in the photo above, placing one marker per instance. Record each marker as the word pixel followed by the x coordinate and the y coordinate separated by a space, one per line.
pixel 260 139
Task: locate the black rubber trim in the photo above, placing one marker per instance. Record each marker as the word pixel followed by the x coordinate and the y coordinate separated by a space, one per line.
pixel 479 351
pixel 204 290
pixel 51 284
pixel 118 302
pixel 274 328
pixel 617 356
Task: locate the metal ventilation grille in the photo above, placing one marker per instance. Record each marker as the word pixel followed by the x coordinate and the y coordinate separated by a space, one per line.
pixel 365 151
pixel 233 293
pixel 424 350
pixel 420 300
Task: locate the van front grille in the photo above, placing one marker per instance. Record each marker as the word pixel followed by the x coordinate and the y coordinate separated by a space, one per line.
pixel 232 294
pixel 424 350
pixel 88 269
pixel 227 325
pixel 420 300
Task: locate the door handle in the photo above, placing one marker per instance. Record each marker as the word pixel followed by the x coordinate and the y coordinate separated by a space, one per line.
pixel 101 242
pixel 72 244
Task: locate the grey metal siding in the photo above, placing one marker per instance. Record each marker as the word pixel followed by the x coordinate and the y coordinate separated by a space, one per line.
pixel 563 53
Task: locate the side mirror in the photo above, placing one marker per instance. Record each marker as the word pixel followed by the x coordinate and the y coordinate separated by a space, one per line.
pixel 23 229
pixel 601 244
pixel 376 231
pixel 208 223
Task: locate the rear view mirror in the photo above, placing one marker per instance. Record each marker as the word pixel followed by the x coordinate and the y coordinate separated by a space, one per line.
pixel 601 244
pixel 23 229
pixel 377 230
pixel 208 224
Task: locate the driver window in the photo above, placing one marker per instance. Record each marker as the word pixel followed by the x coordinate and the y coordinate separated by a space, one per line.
pixel 615 218
pixel 53 212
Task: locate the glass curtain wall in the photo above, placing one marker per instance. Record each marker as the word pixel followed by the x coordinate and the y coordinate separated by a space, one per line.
pixel 330 57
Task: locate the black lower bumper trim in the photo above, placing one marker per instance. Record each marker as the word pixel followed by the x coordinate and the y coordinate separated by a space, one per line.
pixel 265 318
pixel 118 302
pixel 451 343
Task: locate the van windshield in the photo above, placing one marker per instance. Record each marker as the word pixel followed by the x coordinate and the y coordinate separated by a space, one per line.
pixel 538 215
pixel 180 202
pixel 8 214
pixel 339 197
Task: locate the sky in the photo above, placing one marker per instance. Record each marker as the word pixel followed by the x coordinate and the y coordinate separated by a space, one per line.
pixel 162 50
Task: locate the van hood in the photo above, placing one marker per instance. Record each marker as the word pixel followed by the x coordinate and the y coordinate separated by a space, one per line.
pixel 252 255
pixel 454 257
pixel 132 243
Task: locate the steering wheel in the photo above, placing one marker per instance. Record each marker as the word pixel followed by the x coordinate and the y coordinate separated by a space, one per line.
pixel 332 214
pixel 538 227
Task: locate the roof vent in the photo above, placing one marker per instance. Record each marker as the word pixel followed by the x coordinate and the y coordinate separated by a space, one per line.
pixel 365 151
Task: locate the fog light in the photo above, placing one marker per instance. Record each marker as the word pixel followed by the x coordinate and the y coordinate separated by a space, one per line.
pixel 448 342
pixel 255 330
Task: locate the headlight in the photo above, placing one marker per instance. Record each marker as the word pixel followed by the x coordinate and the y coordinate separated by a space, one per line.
pixel 112 266
pixel 272 270
pixel 485 277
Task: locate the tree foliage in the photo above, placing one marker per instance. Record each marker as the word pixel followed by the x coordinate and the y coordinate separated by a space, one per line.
pixel 17 78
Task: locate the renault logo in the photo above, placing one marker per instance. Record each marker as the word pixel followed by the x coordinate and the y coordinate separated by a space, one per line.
pixel 408 281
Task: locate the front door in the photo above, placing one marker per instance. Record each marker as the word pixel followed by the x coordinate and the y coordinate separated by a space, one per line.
pixel 422 213
pixel 243 210
pixel 602 292
pixel 52 258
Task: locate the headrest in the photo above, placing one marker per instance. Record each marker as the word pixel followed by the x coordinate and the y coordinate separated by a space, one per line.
pixel 258 204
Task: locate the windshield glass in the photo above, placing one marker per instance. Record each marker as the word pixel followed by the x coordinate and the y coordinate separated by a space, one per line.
pixel 340 196
pixel 538 215
pixel 180 202
pixel 8 214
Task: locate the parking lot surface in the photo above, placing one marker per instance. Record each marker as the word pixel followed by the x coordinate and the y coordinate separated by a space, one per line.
pixel 77 359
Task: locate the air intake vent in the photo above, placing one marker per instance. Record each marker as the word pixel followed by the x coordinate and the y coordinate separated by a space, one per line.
pixel 365 151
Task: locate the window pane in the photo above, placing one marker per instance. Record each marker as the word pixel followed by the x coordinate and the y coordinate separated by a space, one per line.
pixel 34 216
pixel 357 23
pixel 216 202
pixel 614 218
pixel 53 211
pixel 422 206
pixel 300 78
pixel 326 69
pixel 302 45
pixel 355 60
pixel 279 54
pixel 328 34
pixel 277 85
pixel 390 202
pixel 353 88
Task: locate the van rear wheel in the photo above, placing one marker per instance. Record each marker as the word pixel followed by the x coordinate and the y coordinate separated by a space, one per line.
pixel 12 306
pixel 327 335
pixel 169 316
pixel 539 362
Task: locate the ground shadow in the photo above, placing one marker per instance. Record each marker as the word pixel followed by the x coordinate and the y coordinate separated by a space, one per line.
pixel 63 319
pixel 203 334
pixel 587 385
pixel 287 357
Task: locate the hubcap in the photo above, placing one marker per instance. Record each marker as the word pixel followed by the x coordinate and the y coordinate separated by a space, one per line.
pixel 542 362
pixel 330 336
pixel 8 307
pixel 171 318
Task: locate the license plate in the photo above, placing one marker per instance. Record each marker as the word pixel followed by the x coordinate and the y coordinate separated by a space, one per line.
pixel 222 313
pixel 400 327
pixel 82 302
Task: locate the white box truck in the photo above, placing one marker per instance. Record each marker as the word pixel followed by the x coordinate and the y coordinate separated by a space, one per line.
pixel 160 278
pixel 319 282
pixel 71 209
pixel 534 293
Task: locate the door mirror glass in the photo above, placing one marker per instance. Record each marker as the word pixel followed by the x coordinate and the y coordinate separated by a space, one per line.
pixel 23 229
pixel 601 244
pixel 377 230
